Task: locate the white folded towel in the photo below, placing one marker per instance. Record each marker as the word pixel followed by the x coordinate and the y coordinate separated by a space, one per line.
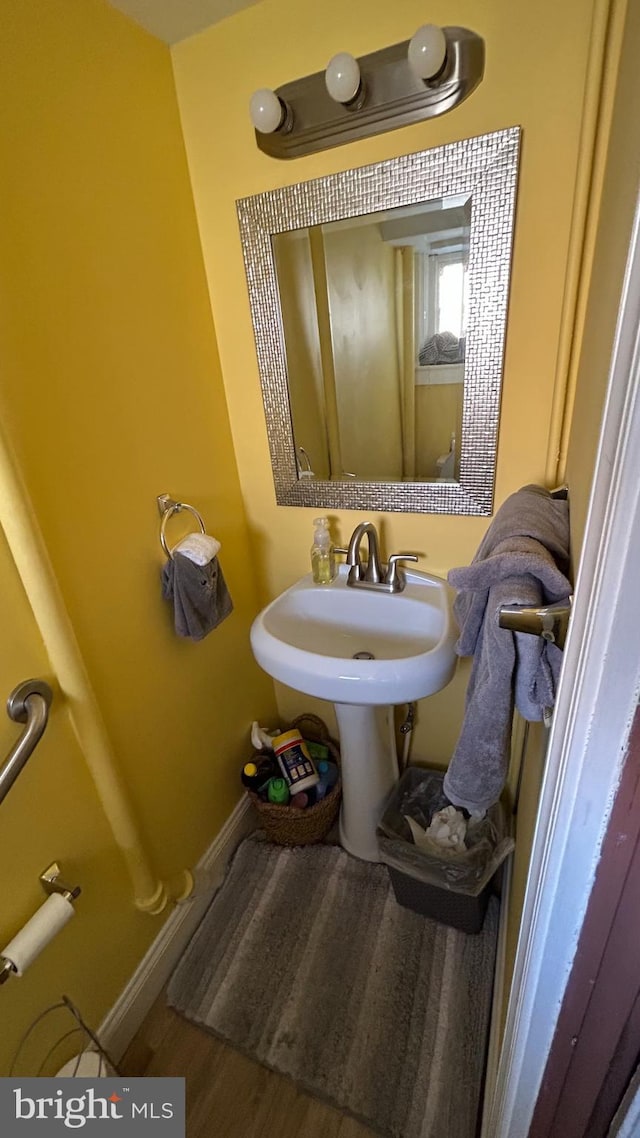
pixel 198 547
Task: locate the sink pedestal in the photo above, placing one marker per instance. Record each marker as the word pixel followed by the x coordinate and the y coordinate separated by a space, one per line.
pixel 369 770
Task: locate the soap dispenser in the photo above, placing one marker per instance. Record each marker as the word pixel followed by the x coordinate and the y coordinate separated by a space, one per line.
pixel 323 562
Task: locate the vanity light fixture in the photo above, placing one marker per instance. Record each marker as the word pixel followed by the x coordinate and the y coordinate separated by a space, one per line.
pixel 354 98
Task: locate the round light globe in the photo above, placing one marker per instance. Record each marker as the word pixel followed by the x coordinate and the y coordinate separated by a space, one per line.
pixel 427 51
pixel 266 110
pixel 342 77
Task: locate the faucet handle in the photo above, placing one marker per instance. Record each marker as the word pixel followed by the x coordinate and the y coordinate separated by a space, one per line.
pixel 394 576
pixel 355 568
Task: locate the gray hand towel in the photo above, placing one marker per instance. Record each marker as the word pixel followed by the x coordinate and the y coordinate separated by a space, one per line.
pixel 522 559
pixel 200 596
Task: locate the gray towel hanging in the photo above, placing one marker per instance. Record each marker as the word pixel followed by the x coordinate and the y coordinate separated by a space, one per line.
pixel 522 559
pixel 199 593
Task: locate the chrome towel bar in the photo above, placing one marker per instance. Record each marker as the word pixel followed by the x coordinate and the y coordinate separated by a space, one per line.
pixel 29 703
pixel 549 621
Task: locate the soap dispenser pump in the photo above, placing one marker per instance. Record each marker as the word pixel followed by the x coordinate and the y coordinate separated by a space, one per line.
pixel 323 562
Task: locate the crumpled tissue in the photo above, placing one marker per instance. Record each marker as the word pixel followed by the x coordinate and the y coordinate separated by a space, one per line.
pixel 447 830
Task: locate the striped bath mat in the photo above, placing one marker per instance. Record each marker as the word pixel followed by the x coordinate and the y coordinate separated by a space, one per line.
pixel 305 962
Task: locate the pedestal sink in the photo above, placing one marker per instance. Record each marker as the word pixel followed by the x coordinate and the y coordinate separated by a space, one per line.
pixel 365 651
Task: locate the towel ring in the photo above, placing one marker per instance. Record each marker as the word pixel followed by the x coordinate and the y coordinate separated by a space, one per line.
pixel 176 508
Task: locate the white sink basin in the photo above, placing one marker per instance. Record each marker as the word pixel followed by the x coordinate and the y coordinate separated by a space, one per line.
pixel 308 637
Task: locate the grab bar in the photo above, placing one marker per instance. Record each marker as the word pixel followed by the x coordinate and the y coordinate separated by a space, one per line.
pixel 28 703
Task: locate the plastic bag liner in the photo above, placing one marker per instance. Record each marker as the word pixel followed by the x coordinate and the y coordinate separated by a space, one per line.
pixel 419 795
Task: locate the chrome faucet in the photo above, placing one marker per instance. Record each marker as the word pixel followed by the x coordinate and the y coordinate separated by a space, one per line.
pixel 358 573
pixel 373 574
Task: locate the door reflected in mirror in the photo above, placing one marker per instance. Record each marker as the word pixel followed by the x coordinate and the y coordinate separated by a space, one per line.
pixel 374 313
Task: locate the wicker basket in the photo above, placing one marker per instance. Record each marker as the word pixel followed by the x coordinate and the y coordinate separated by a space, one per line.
pixel 288 826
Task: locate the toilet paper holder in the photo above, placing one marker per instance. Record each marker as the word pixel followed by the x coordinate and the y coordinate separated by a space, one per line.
pixel 51 883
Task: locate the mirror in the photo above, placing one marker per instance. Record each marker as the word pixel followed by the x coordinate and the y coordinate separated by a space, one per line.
pixel 379 301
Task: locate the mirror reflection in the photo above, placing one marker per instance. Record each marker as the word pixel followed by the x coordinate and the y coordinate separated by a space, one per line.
pixel 374 315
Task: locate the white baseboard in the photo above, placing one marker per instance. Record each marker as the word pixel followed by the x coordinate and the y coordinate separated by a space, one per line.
pixel 135 1001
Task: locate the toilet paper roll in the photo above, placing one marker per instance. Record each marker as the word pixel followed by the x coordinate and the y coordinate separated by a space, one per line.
pixel 36 934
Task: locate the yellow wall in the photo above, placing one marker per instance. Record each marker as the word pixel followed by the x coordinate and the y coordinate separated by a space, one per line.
pixel 52 813
pixel 532 80
pixel 529 759
pixel 111 393
pixel 302 337
pixel 613 220
pixel 438 417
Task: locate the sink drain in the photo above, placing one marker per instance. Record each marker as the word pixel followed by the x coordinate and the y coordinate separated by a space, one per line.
pixel 363 656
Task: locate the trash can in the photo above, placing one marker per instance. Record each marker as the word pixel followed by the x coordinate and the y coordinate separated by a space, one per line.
pixel 451 886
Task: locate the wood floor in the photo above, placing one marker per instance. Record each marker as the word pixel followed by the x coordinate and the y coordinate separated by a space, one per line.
pixel 229 1096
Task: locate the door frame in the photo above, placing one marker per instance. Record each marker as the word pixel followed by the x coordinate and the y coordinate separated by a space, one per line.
pixel 597 698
